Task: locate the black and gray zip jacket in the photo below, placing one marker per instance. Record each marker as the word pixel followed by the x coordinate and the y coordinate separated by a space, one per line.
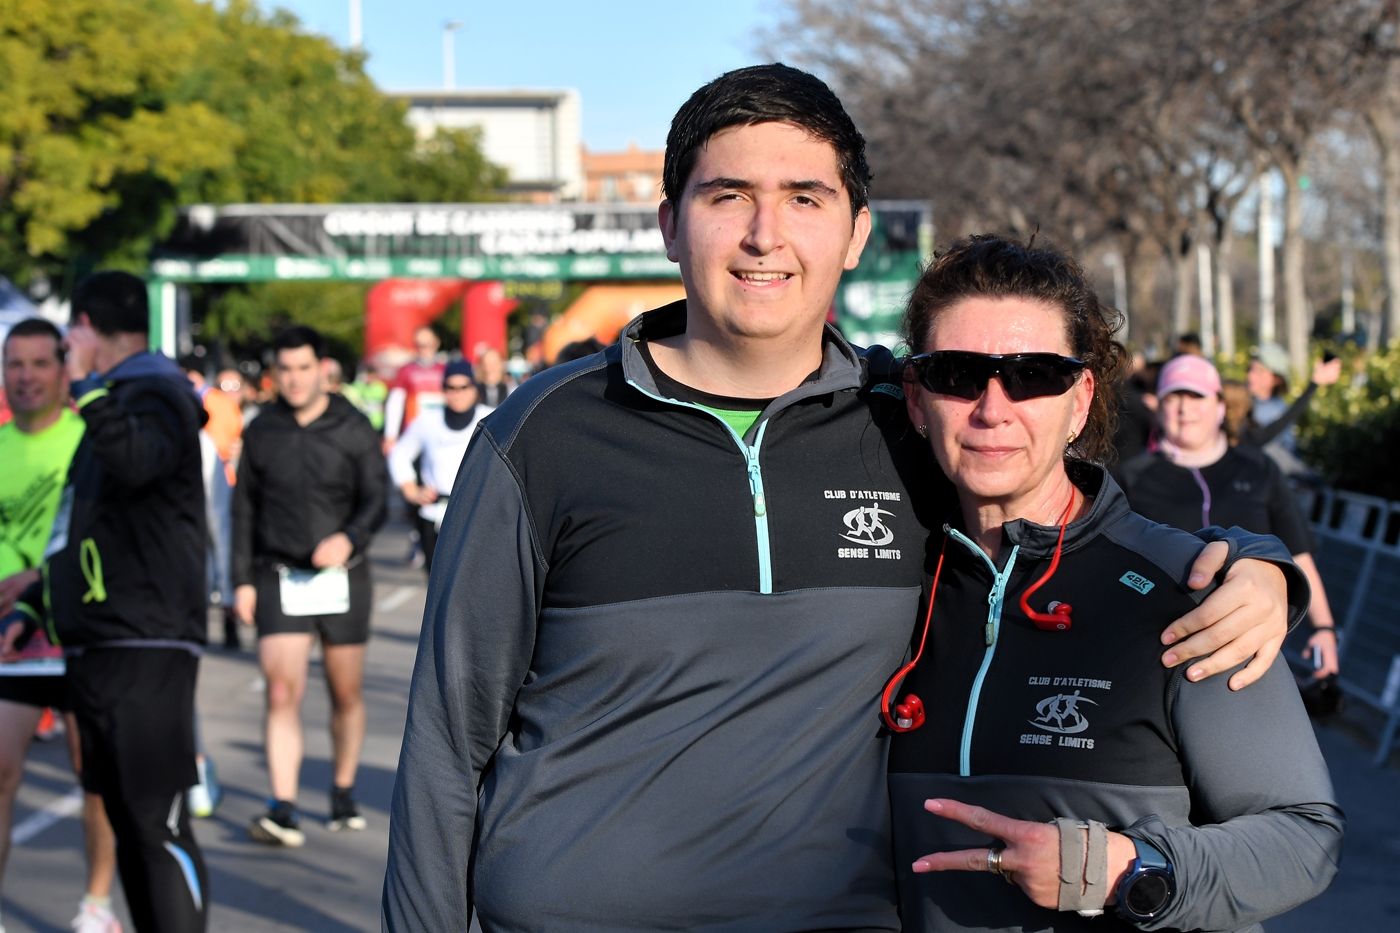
pixel 646 688
pixel 133 569
pixel 1087 723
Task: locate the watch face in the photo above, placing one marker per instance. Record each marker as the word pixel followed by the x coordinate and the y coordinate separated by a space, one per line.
pixel 1148 893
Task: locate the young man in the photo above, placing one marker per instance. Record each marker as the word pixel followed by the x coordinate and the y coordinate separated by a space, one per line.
pixel 309 497
pixel 646 691
pixel 36 448
pixel 124 589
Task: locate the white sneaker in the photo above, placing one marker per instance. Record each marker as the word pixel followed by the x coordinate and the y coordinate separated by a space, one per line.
pixel 203 798
pixel 93 918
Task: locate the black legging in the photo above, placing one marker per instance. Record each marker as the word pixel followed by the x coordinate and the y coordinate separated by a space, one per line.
pixel 161 867
pixel 135 709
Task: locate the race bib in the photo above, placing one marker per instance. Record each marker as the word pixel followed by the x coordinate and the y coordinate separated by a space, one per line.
pixel 314 592
pixel 58 537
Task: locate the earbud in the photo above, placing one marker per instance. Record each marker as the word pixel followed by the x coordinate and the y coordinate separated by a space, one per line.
pixel 1056 620
pixel 908 714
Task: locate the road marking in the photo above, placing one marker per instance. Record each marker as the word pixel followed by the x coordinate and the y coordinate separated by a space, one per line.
pixel 397 598
pixel 55 810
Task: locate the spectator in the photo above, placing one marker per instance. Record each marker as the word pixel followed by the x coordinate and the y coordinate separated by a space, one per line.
pixel 1196 479
pixel 1272 422
pixel 492 380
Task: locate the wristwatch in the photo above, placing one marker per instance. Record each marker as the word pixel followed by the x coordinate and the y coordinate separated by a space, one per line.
pixel 1148 887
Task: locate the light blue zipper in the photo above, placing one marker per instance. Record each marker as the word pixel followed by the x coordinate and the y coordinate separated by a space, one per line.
pixel 995 599
pixel 760 502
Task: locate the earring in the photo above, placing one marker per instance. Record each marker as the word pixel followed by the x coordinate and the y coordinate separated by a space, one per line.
pixel 921 430
pixel 1070 441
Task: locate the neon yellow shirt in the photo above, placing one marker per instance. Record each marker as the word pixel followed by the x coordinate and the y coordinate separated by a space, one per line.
pixel 33 469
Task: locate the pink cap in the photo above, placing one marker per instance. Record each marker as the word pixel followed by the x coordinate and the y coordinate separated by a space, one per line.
pixel 1188 373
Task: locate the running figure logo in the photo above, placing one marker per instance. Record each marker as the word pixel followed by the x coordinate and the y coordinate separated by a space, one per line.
pixel 1060 714
pixel 865 525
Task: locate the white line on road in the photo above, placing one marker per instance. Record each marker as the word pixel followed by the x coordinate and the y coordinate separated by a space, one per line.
pixel 397 598
pixel 57 809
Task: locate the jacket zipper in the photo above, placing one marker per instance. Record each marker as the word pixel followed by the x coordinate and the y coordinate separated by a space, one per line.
pixel 755 472
pixel 996 598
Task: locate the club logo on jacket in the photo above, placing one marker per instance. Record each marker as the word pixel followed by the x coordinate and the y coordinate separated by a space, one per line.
pixel 866 526
pixel 1061 713
pixel 1061 717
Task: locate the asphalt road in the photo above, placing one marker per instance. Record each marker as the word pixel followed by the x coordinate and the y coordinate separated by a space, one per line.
pixel 333 883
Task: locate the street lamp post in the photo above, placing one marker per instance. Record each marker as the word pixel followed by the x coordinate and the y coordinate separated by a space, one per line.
pixel 449 61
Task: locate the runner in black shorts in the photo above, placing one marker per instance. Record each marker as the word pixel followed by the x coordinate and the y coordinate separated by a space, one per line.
pixel 310 494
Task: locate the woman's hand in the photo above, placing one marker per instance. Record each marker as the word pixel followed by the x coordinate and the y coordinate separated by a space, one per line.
pixel 1031 857
pixel 1322 649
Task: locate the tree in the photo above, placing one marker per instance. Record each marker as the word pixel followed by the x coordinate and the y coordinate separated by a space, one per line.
pixel 95 140
pixel 115 112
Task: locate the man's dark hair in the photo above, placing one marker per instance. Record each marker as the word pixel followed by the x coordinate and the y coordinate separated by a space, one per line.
pixel 115 303
pixel 299 335
pixel 37 327
pixel 775 93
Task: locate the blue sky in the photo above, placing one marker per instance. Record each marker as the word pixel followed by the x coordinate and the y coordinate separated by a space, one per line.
pixel 632 61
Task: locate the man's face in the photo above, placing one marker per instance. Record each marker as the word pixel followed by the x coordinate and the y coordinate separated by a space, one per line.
pixel 762 233
pixel 426 343
pixel 35 382
pixel 299 378
pixel 491 365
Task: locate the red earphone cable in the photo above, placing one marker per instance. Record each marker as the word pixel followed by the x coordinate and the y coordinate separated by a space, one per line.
pixel 1061 621
pixel 893 684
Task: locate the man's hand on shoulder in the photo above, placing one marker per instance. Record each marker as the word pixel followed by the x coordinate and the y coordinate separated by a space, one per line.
pixel 1246 616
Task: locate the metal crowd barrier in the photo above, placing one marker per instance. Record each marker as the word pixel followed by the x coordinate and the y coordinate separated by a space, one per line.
pixel 1358 556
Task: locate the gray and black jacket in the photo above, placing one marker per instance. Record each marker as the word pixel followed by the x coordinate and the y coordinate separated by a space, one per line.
pixel 646 688
pixel 1087 723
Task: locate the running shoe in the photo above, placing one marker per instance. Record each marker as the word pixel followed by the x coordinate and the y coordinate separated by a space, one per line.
pixel 95 918
pixel 278 826
pixel 203 798
pixel 345 813
pixel 50 726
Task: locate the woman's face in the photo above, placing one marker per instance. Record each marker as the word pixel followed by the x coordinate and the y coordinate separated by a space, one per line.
pixel 1260 380
pixel 996 450
pixel 1189 421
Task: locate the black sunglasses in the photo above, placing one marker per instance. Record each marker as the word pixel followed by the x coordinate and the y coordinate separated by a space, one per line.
pixel 964 374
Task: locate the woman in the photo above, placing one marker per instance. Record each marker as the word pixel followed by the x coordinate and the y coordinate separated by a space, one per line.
pixel 1195 478
pixel 1203 809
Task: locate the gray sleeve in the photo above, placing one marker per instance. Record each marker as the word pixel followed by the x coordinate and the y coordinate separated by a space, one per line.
pixel 473 655
pixel 1269 831
pixel 1248 545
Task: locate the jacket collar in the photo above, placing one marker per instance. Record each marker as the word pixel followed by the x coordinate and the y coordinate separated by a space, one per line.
pixel 842 367
pixel 1108 504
